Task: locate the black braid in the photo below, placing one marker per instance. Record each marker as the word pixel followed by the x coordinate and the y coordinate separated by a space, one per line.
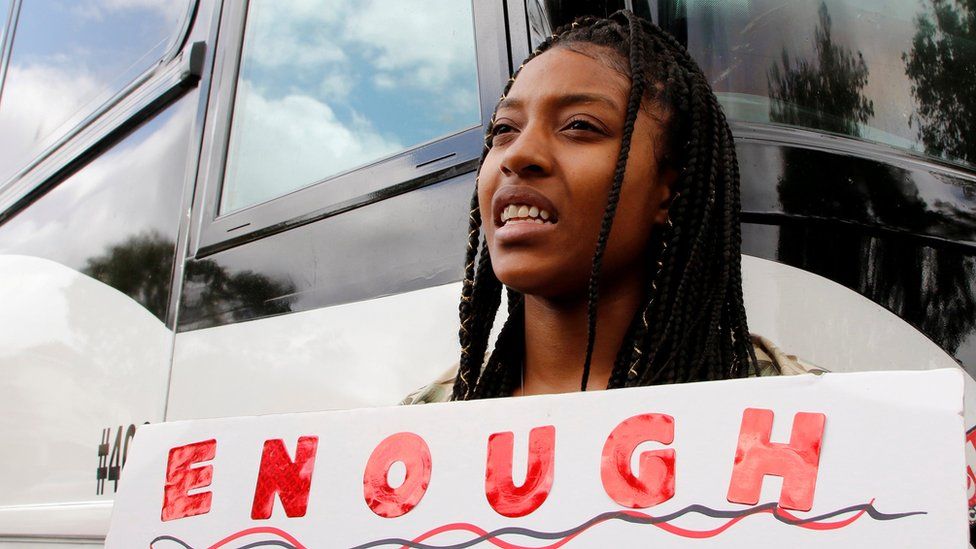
pixel 463 382
pixel 613 197
pixel 691 325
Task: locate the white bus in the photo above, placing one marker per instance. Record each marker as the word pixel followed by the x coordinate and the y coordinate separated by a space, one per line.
pixel 217 208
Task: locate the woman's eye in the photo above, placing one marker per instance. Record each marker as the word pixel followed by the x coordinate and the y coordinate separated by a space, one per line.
pixel 502 133
pixel 582 125
pixel 499 129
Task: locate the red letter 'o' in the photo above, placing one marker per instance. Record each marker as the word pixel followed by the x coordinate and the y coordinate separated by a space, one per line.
pixel 385 500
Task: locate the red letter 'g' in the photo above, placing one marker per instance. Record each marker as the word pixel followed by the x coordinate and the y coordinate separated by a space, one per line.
pixel 655 483
pixel 797 462
pixel 517 501
pixel 291 480
pixel 385 500
pixel 181 478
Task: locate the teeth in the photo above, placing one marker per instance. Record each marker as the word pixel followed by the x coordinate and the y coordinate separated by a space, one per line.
pixel 524 212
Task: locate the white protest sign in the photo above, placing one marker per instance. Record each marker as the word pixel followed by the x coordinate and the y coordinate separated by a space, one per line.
pixel 854 460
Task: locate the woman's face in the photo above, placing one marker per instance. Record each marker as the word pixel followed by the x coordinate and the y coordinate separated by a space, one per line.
pixel 544 183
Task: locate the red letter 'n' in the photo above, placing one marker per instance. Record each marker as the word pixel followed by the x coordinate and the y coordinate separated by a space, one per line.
pixel 797 462
pixel 291 480
pixel 181 478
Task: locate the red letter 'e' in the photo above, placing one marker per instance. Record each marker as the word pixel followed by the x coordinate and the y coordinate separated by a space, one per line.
pixel 385 500
pixel 181 478
pixel 517 501
pixel 291 480
pixel 656 481
pixel 797 462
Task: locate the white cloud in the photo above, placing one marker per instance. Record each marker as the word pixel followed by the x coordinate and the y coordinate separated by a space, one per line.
pixel 156 160
pixel 384 81
pixel 422 44
pixel 336 87
pixel 48 92
pixel 97 10
pixel 279 145
pixel 322 52
pixel 300 36
pixel 40 103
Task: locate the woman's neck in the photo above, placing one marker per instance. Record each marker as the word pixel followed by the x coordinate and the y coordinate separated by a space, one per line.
pixel 555 339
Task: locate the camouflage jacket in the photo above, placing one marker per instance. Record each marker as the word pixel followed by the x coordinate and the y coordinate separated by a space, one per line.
pixel 772 361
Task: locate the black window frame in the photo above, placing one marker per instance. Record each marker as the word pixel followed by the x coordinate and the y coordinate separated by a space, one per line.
pixel 12 12
pixel 415 167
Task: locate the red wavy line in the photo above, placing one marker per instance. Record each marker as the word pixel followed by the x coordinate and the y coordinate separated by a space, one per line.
pixel 478 531
pixel 259 530
pixel 465 527
pixel 501 544
pixel 670 528
pixel 825 525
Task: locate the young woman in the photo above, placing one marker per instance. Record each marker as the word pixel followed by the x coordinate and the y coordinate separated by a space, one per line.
pixel 608 196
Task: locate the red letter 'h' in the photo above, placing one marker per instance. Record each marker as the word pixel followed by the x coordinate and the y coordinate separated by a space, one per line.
pixel 290 480
pixel 797 462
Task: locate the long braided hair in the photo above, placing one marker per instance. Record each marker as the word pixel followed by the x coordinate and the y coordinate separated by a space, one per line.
pixel 691 325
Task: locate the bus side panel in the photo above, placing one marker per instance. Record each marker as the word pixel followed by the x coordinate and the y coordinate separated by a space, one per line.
pixel 327 343
pixel 85 281
pixel 898 231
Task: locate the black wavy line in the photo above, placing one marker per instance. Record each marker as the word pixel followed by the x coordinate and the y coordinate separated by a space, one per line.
pixel 170 538
pixel 269 543
pixel 624 516
pixel 868 508
pixel 266 543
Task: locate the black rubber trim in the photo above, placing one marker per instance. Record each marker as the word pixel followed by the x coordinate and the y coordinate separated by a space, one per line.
pixel 345 206
pixel 868 229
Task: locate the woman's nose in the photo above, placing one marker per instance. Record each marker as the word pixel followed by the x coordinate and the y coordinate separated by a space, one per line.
pixel 529 155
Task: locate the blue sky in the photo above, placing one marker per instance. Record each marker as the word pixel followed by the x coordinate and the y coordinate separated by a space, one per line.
pixel 328 85
pixel 104 39
pixel 68 58
pixel 325 85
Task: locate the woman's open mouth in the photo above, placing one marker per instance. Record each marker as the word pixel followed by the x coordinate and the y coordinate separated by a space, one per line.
pixel 523 213
pixel 520 212
pixel 521 205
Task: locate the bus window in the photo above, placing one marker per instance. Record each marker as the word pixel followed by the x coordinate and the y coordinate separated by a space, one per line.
pixel 325 87
pixel 893 72
pixel 878 70
pixel 116 219
pixel 880 220
pixel 67 60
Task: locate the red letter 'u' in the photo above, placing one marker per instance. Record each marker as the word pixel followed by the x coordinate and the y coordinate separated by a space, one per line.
pixel 181 478
pixel 655 483
pixel 517 501
pixel 797 462
pixel 385 500
pixel 291 480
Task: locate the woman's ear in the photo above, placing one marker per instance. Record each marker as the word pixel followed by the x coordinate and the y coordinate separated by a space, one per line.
pixel 663 193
